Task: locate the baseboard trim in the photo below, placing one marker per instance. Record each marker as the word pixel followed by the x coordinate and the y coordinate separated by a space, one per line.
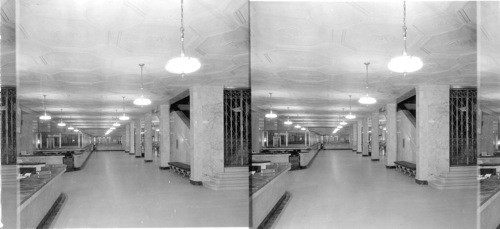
pixel 52 213
pixel 164 168
pixel 375 159
pixel 195 182
pixel 148 160
pixel 359 152
pixel 275 212
pixel 137 156
pixel 421 182
pixel 365 155
pixel 390 166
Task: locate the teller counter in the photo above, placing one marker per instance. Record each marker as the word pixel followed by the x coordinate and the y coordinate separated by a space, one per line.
pixel 38 193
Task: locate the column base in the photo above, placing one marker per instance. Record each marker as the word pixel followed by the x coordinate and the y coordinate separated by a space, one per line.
pixel 375 159
pixel 126 151
pixel 131 153
pixel 138 156
pixel 148 160
pixel 164 168
pixel 195 182
pixel 390 166
pixel 365 155
pixel 421 182
pixel 359 152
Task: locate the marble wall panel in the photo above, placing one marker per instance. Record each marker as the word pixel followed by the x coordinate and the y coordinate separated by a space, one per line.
pixel 433 134
pixel 207 131
pixel 391 142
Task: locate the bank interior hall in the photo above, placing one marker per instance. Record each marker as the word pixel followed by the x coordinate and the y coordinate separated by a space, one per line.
pixel 129 114
pixel 364 114
pixel 489 114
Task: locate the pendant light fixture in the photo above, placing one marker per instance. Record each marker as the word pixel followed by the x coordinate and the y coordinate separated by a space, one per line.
pixel 124 117
pixel 70 127
pixel 340 124
pixel 343 122
pixel 303 128
pixel 116 123
pixel 297 126
pixel 76 130
pixel 182 64
pixel 367 99
pixel 142 101
pixel 405 63
pixel 112 128
pixel 61 124
pixel 45 116
pixel 350 115
pixel 271 115
pixel 288 122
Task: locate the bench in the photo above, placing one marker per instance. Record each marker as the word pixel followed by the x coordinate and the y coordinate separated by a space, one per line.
pixel 406 167
pixel 180 168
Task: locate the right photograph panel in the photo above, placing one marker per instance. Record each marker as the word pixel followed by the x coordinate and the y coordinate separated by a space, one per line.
pixel 365 114
pixel 489 113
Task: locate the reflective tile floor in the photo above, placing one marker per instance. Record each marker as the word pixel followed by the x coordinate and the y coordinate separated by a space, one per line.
pixel 118 190
pixel 344 190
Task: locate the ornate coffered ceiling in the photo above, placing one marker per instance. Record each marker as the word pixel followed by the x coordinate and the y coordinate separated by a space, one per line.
pixel 310 55
pixel 84 54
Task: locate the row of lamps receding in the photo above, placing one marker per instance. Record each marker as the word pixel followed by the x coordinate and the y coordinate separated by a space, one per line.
pixel 178 65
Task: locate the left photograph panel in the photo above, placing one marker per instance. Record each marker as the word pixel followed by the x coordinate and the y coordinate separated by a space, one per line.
pixel 131 113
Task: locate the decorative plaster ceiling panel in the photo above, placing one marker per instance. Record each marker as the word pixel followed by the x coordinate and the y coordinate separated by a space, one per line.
pixel 90 50
pixel 310 55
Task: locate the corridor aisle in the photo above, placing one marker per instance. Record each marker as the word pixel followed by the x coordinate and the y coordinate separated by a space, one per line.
pixel 118 190
pixel 344 190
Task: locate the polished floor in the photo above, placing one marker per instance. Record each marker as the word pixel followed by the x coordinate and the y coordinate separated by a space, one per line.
pixel 344 190
pixel 118 190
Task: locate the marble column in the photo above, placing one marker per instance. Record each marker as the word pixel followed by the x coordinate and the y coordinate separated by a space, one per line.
pixel 354 137
pixel 207 132
pixel 360 137
pixel 375 137
pixel 131 137
pixel 433 134
pixel 365 137
pixel 164 136
pixel 391 146
pixel 148 137
pixel 126 139
pixel 137 138
pixel 286 139
pixel 257 128
pixel 79 140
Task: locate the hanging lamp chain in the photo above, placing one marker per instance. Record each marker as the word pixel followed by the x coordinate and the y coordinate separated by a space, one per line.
pixel 182 28
pixel 43 103
pixel 367 63
pixel 404 27
pixel 270 104
pixel 142 83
